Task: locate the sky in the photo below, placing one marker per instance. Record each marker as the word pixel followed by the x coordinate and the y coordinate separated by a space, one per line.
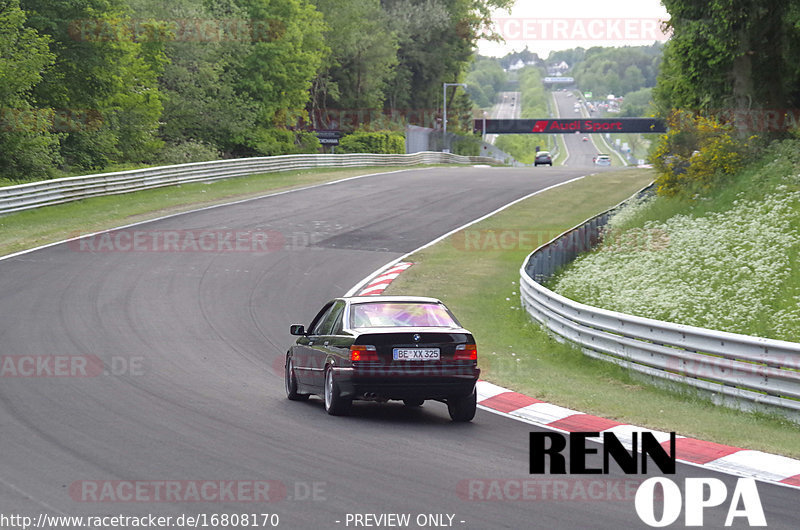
pixel 545 26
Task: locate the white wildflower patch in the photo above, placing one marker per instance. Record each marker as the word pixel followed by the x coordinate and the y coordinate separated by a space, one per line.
pixel 721 271
pixel 629 211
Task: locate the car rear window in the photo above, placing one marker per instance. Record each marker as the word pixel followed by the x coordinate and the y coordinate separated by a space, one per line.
pixel 400 314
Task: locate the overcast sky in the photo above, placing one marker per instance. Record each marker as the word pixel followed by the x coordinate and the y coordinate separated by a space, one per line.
pixel 545 26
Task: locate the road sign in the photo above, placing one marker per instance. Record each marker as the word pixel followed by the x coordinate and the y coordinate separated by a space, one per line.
pixel 329 137
pixel 566 125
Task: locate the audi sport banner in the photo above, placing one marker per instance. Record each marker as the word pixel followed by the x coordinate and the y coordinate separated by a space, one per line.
pixel 571 125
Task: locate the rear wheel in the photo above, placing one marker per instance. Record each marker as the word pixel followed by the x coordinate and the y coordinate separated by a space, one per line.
pixel 335 404
pixel 463 408
pixel 413 402
pixel 291 383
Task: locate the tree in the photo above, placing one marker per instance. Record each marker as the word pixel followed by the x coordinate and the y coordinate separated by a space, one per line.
pixel 485 79
pixel 618 70
pixel 363 56
pixel 436 41
pixel 738 54
pixel 100 72
pixel 638 103
pixel 28 148
pixel 234 82
pixel 201 103
pixel 279 68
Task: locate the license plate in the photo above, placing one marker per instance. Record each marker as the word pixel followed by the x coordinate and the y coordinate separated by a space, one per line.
pixel 415 354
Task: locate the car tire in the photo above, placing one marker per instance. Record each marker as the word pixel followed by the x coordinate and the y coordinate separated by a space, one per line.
pixel 462 409
pixel 291 383
pixel 335 404
pixel 413 402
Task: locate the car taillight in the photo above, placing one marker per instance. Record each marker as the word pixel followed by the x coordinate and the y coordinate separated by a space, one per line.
pixel 466 352
pixel 363 353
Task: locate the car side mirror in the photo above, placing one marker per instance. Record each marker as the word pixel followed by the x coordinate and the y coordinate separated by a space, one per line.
pixel 297 329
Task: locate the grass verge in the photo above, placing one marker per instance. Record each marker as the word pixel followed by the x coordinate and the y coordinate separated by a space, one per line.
pixel 480 282
pixel 32 228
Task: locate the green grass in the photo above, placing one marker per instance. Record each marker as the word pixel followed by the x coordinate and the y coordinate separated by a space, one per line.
pixel 28 229
pixel 735 243
pixel 482 288
pixel 639 143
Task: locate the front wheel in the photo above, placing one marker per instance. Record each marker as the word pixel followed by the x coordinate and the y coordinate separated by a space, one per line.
pixel 462 409
pixel 291 383
pixel 335 404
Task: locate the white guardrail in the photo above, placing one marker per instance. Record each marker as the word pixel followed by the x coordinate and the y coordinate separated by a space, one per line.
pixel 745 372
pixel 57 191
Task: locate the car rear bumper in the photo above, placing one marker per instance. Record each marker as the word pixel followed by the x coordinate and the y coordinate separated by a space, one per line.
pixel 415 382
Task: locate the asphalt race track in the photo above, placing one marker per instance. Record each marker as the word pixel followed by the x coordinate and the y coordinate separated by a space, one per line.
pixel 580 153
pixel 194 342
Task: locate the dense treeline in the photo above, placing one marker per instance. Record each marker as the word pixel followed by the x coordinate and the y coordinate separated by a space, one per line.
pixel 87 84
pixel 485 79
pixel 728 86
pixel 611 70
pixel 731 55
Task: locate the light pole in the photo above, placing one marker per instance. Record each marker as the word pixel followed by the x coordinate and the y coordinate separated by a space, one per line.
pixel 444 112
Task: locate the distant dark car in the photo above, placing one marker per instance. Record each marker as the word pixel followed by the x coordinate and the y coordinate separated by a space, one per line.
pixel 381 348
pixel 543 158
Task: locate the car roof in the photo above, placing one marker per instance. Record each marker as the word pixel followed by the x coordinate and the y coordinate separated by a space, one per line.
pixel 386 298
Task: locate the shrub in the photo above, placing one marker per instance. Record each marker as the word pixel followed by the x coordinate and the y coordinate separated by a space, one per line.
pixel 695 153
pixel 271 142
pixel 373 142
pixel 467 145
pixel 186 152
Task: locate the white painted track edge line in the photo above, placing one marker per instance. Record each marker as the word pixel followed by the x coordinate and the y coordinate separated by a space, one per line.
pixel 384 268
pixel 238 201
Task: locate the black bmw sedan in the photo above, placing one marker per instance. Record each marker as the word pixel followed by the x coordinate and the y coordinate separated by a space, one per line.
pixel 379 348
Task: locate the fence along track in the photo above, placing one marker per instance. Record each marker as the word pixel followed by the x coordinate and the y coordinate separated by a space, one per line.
pixel 59 191
pixel 738 370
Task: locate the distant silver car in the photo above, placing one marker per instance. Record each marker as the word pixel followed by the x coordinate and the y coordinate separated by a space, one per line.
pixel 602 160
pixel 543 158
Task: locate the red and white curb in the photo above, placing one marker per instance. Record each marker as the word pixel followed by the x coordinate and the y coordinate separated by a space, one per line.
pixel 718 457
pixel 724 458
pixel 380 282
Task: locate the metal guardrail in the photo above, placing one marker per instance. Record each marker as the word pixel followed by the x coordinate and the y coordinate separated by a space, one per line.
pixel 738 370
pixel 58 191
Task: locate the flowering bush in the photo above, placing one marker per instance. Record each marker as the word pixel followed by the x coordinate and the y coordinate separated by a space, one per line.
pixel 727 270
pixel 694 152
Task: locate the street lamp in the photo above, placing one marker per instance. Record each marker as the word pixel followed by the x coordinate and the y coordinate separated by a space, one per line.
pixel 444 111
